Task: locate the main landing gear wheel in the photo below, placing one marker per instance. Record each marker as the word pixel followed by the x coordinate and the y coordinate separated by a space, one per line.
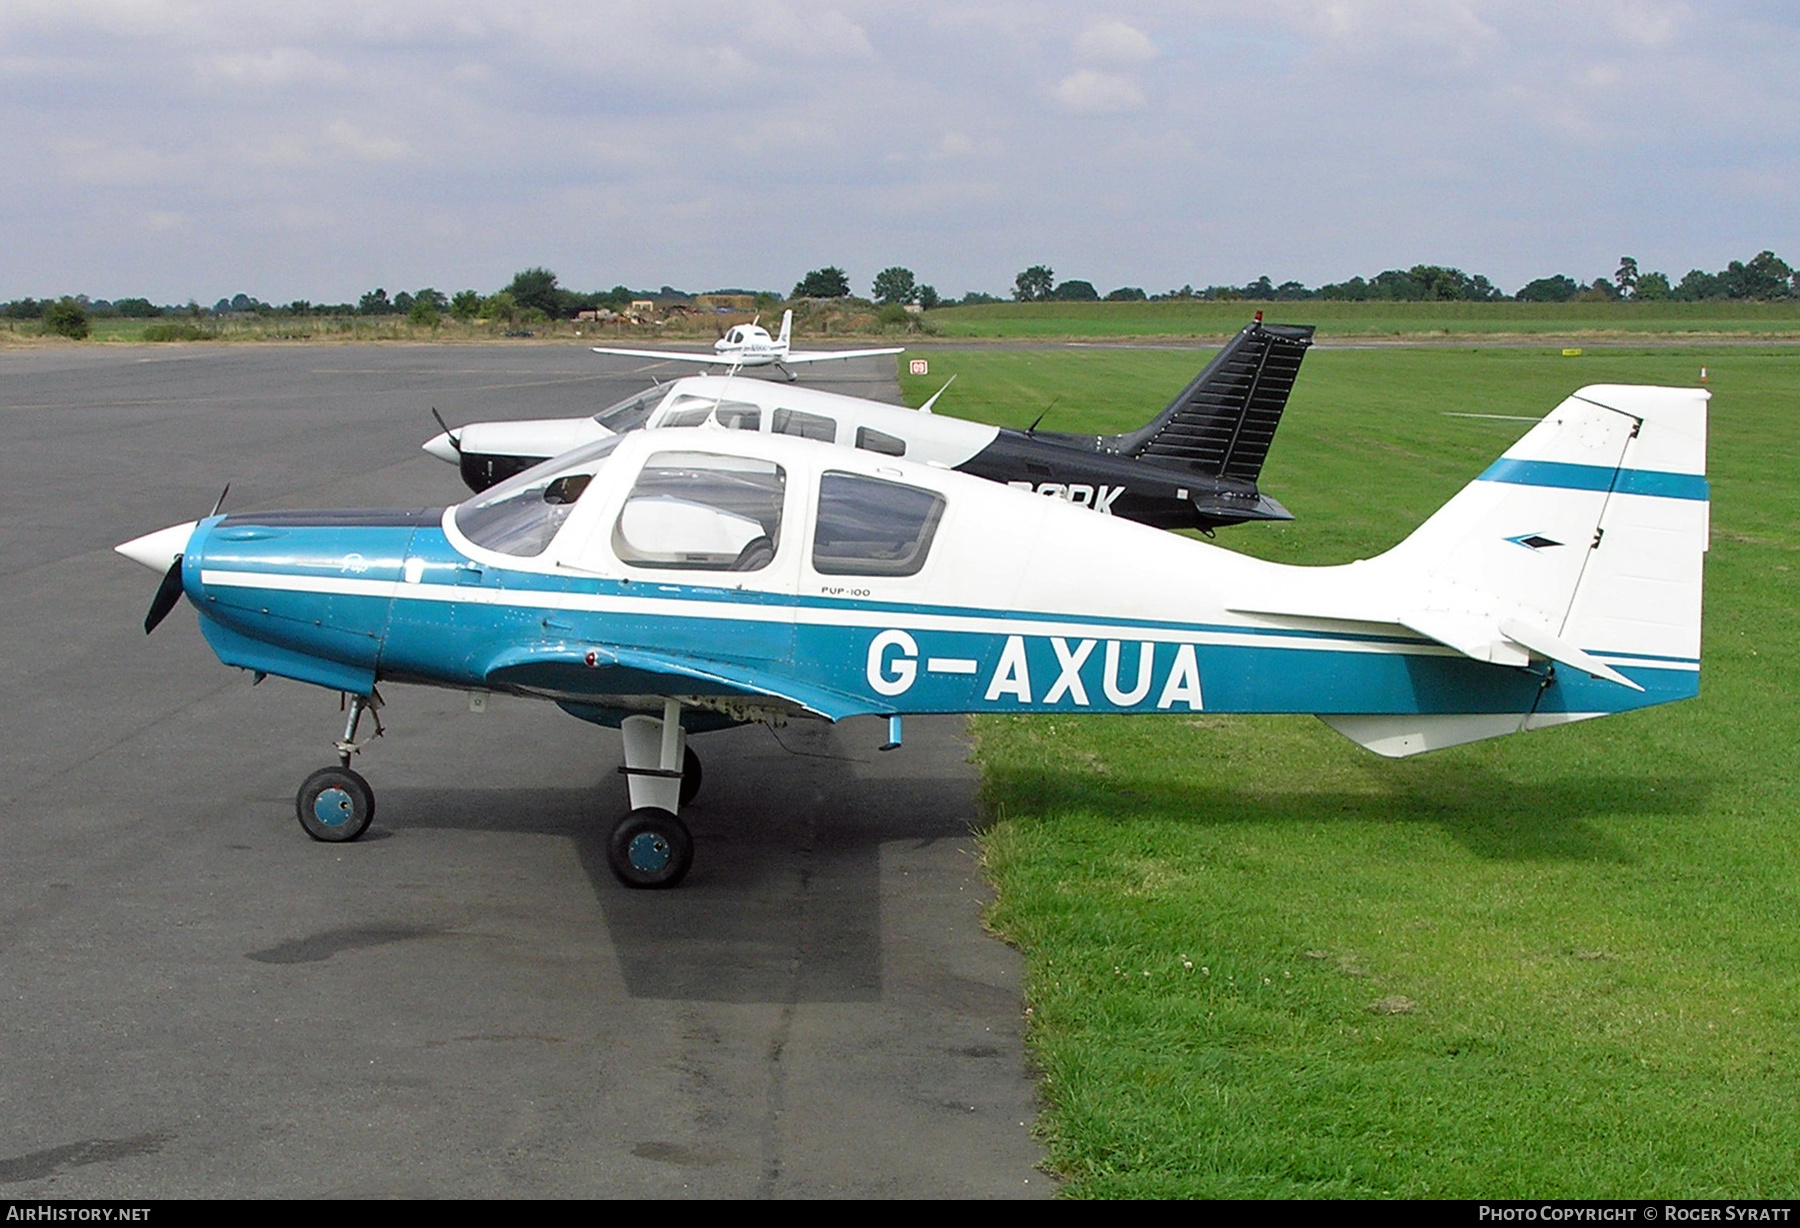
pixel 335 805
pixel 650 848
pixel 690 776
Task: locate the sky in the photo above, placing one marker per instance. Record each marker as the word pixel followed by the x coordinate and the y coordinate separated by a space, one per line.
pixel 178 149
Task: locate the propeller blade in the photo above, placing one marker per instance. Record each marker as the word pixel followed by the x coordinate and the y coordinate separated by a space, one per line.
pixel 448 433
pixel 168 594
pixel 227 490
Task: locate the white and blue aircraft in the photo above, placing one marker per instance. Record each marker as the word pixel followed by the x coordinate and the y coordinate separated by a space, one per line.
pixel 670 583
pixel 749 345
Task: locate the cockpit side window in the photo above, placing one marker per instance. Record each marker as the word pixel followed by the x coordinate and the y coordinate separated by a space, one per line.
pixel 807 426
pixel 521 515
pixel 732 415
pixel 871 527
pixel 688 411
pixel 738 416
pixel 629 414
pixel 871 440
pixel 697 511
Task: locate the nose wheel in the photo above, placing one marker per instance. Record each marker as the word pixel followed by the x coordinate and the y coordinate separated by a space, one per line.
pixel 335 805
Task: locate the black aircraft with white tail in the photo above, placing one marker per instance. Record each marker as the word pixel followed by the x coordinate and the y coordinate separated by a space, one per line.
pixel 1194 466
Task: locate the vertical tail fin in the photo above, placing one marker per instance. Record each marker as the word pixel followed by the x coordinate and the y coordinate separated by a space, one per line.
pixel 787 324
pixel 1591 527
pixel 1223 423
pixel 1577 554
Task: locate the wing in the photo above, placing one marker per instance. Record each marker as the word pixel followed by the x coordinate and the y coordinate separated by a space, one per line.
pixel 711 359
pixel 834 355
pixel 615 676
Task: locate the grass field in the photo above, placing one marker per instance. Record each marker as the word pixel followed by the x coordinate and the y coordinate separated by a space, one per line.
pixel 1574 321
pixel 1264 962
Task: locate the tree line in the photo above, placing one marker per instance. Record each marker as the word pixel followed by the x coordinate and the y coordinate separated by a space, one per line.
pixel 536 294
pixel 1764 276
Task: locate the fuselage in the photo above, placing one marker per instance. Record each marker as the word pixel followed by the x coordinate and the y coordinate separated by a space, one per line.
pixel 1078 469
pixel 604 584
pixel 749 345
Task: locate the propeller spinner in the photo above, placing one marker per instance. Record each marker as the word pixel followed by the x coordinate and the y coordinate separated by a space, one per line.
pixel 447 446
pixel 162 551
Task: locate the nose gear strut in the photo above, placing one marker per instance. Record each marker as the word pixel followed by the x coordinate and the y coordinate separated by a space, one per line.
pixel 348 745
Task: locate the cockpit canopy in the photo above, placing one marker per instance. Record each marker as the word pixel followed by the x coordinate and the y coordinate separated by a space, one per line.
pixel 688 507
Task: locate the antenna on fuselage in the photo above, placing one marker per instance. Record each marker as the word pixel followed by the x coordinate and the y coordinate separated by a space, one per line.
pixel 932 399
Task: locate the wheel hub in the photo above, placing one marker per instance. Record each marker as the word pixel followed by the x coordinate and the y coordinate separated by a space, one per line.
pixel 648 852
pixel 333 807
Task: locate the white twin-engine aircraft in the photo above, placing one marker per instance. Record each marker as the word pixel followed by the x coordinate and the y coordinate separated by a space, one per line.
pixel 749 345
pixel 670 582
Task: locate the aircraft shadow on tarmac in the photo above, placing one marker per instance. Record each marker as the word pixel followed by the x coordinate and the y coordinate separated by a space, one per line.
pixel 785 901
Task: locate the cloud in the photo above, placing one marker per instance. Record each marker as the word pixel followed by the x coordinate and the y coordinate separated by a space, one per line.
pixel 954 145
pixel 1115 43
pixel 1090 92
pixel 347 137
pixel 104 164
pixel 614 136
pixel 280 66
pixel 1649 23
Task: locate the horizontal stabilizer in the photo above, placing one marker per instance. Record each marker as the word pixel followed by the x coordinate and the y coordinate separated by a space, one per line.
pixel 1509 641
pixel 1543 643
pixel 1480 637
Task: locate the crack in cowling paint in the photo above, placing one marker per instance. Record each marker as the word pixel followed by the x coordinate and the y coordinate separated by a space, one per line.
pixel 315 948
pixel 52 1160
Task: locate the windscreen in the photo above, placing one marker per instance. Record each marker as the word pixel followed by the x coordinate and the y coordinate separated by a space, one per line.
pixel 629 414
pixel 522 514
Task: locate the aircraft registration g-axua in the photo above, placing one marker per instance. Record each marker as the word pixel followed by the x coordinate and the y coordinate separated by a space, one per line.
pixel 749 345
pixel 1194 466
pixel 673 582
